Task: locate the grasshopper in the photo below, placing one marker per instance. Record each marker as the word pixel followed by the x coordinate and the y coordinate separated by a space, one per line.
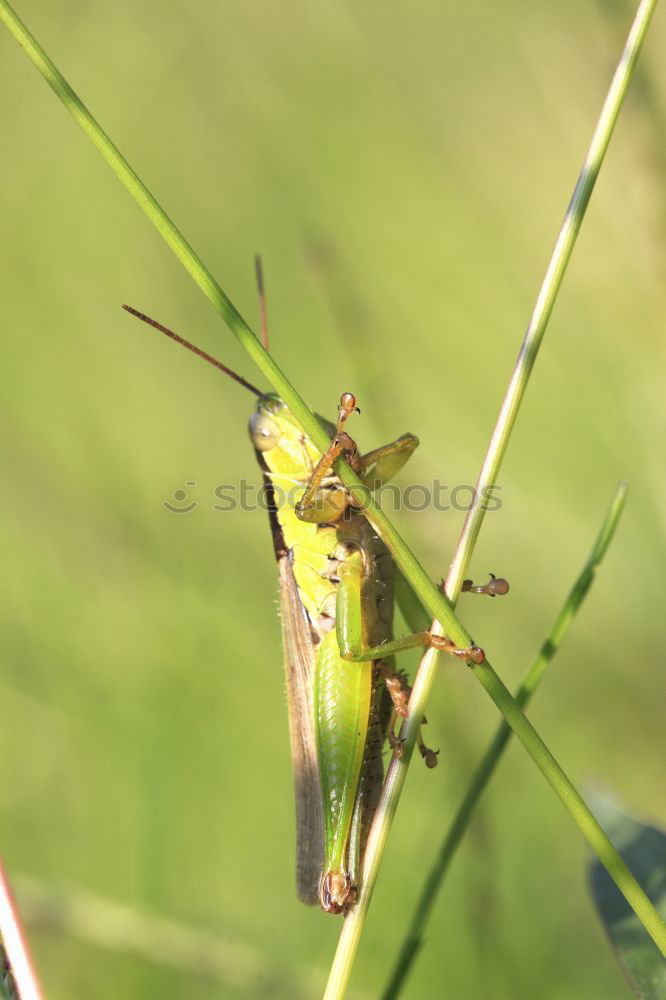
pixel 336 582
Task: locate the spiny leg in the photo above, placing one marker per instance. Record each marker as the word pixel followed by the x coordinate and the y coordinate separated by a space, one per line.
pixel 321 505
pixel 311 506
pixel 399 689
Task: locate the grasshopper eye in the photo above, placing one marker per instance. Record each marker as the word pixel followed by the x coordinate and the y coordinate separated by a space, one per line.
pixel 264 432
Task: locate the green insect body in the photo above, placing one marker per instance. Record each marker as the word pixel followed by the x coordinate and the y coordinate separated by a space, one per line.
pixel 336 582
pixel 343 704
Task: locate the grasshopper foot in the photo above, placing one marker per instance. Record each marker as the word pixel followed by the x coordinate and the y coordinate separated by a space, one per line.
pixel 395 742
pixel 471 654
pixel 429 756
pixel 497 586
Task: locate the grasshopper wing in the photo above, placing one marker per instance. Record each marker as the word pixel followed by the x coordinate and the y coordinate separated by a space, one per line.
pixel 299 666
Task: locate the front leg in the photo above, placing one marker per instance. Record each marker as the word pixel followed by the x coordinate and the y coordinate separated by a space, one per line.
pixel 327 506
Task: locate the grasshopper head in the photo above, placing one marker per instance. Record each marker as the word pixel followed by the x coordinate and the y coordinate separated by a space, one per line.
pixel 286 450
pixel 267 423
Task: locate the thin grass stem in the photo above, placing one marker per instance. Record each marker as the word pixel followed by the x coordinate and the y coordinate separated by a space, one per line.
pixel 412 569
pixel 13 940
pixel 350 936
pixel 436 603
pixel 486 768
pixel 548 292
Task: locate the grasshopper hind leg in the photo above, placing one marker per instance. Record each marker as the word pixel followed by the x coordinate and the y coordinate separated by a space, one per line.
pixel 370 782
pixel 389 706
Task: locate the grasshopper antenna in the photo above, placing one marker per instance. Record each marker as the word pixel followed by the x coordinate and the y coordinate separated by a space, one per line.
pixel 263 320
pixel 192 347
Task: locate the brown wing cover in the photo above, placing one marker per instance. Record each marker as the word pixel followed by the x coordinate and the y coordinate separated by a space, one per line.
pixel 299 664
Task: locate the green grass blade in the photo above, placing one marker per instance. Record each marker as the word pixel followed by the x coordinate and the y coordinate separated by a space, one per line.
pixel 414 937
pixel 438 606
pixel 643 847
pixel 540 754
pixel 7 984
pixel 18 977
pixel 572 800
pixel 412 569
pixel 549 290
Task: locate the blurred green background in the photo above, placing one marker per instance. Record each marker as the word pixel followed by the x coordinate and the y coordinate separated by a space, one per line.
pixel 403 169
